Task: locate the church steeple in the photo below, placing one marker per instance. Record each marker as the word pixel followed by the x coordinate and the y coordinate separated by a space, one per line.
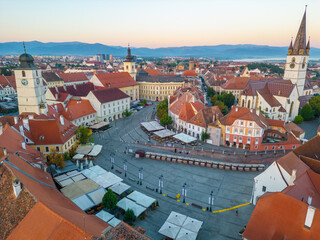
pixel 308 46
pixel 299 47
pixel 290 48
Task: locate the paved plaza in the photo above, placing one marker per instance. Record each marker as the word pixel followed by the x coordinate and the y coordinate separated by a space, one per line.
pixel 230 188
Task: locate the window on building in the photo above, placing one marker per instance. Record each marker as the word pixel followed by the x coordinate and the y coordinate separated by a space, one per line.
pixel 38 149
pixel 57 148
pixel 248 140
pixel 265 148
pixel 23 73
pixel 235 138
pixel 241 131
pixel 47 149
pixel 227 137
pixel 236 130
pixel 257 140
pixel 250 124
pixel 240 139
pixel 249 132
pixel 264 188
pixel 241 123
pixel 273 147
pixel 257 133
pixel 228 129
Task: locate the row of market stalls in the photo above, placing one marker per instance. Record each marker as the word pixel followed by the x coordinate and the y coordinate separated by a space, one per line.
pixel 87 152
pixel 180 227
pixel 160 134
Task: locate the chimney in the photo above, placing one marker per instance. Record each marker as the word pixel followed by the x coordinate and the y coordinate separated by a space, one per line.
pixel 293 177
pixel 5 151
pixel 237 109
pixel 23 144
pixel 16 187
pixel 61 120
pixel 56 108
pixel 21 130
pixel 309 217
pixel 1 128
pixel 30 116
pixel 15 120
pixel 25 122
pixel 309 200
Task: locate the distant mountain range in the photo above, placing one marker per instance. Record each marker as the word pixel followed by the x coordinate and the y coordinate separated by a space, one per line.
pixel 240 51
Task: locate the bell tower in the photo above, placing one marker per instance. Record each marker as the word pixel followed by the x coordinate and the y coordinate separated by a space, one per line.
pixel 130 64
pixel 297 58
pixel 30 89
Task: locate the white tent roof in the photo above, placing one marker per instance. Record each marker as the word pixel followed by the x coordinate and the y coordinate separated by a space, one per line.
pixel 114 222
pixel 119 188
pixel 83 202
pixel 89 174
pixel 97 195
pixel 185 138
pixel 152 126
pixel 78 156
pixel 170 230
pixel 176 218
pixel 105 216
pixel 99 125
pixel 97 169
pixel 192 224
pixel 107 179
pixel 70 177
pixel 126 204
pixel 185 234
pixel 141 199
pixel 95 150
pixel 85 149
pixel 164 133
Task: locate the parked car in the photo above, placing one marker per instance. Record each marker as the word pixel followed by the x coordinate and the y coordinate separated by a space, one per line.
pixel 146 104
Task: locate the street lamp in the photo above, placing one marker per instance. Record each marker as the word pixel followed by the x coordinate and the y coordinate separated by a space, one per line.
pixel 160 183
pixel 184 192
pixel 125 167
pixel 140 176
pixel 211 199
pixel 112 160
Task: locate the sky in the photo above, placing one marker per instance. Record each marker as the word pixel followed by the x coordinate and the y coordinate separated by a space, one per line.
pixel 158 23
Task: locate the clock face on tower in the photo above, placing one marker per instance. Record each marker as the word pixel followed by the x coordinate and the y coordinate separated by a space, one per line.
pixel 24 82
pixel 292 65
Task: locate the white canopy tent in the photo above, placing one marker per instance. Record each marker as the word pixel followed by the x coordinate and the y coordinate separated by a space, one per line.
pixel 78 156
pixel 176 218
pixel 85 149
pixel 141 199
pixel 107 179
pixel 105 216
pixel 164 133
pixel 119 188
pixel 184 138
pixel 114 222
pixel 192 224
pixel 185 234
pixel 170 230
pixel 126 204
pixel 97 195
pixel 95 150
pixel 84 202
pixel 152 126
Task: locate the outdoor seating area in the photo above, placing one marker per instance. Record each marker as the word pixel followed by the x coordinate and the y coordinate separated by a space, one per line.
pixel 100 127
pixel 184 138
pixel 69 177
pixel 179 226
pixel 102 177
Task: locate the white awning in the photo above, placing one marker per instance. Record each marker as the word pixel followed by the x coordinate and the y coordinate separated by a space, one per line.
pixel 107 179
pixel 99 125
pixel 152 126
pixel 164 133
pixel 105 216
pixel 126 204
pixel 97 195
pixel 78 156
pixel 119 188
pixel 185 234
pixel 176 218
pixel 169 230
pixel 192 224
pixel 184 138
pixel 141 199
pixel 83 202
pixel 95 150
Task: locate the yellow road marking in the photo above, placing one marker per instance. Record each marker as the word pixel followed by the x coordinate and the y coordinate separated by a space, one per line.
pixel 228 209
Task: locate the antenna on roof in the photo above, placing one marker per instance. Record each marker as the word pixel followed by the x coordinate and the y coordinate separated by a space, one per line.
pixel 24 47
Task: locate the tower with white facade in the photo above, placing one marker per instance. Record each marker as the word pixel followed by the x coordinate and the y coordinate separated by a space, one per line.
pixel 297 58
pixel 30 88
pixel 130 64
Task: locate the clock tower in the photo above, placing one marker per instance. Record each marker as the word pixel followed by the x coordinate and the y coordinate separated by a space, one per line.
pixel 30 89
pixel 130 64
pixel 297 58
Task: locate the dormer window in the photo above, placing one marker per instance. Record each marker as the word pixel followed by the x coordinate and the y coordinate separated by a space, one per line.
pixel 41 137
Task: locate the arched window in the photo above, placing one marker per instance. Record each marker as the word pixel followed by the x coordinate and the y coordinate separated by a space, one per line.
pixel 23 73
pixel 37 73
pixel 304 62
pixel 293 60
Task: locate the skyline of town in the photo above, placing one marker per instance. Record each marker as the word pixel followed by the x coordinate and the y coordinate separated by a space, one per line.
pixel 154 25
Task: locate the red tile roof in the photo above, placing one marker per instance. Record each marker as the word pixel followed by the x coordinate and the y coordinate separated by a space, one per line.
pixel 189 73
pixel 79 90
pixel 294 128
pixel 275 123
pixel 151 71
pixel 4 81
pixel 109 94
pixel 187 112
pixel 73 77
pixel 116 80
pixel 206 116
pixel 77 108
pixel 278 216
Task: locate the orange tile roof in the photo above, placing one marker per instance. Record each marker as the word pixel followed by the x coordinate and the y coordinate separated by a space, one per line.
pixel 187 112
pixel 73 77
pixel 275 123
pixel 198 105
pixel 177 106
pixel 151 71
pixel 116 80
pixel 77 108
pixel 205 116
pixel 278 216
pixel 294 128
pixel 189 73
pixel 290 161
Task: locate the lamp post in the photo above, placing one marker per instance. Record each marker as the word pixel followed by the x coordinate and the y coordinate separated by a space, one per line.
pixel 112 160
pixel 125 167
pixel 160 183
pixel 140 176
pixel 184 192
pixel 211 199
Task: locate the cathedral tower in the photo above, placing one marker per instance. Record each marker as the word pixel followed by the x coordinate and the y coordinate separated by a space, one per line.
pixel 191 64
pixel 30 89
pixel 297 58
pixel 130 64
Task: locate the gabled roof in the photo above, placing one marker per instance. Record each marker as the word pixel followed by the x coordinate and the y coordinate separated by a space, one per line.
pixel 205 116
pixel 4 81
pixel 294 128
pixel 109 95
pixel 187 112
pixel 51 77
pixel 73 77
pixel 79 90
pixel 278 216
pixel 290 161
pixel 12 81
pixel 77 108
pixel 275 123
pixel 116 80
pixel 151 71
pixel 189 73
pixel 243 113
pixel 177 106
